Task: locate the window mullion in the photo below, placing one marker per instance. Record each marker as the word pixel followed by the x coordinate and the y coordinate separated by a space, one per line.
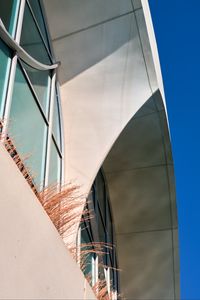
pixel 53 81
pixel 20 21
pixel 107 277
pixel 95 270
pixel 78 246
pixel 61 134
pixel 7 107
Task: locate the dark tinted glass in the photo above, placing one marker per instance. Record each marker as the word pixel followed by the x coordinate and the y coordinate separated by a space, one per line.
pixel 87 257
pixel 100 194
pixel 8 13
pixel 31 39
pixel 102 230
pixel 36 8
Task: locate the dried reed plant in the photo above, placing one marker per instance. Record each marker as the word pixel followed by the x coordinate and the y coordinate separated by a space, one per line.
pixel 86 249
pixel 65 207
pixel 20 162
pixel 100 289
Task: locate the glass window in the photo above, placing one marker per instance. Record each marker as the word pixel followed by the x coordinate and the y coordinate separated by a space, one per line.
pixel 8 14
pixel 109 225
pixel 101 227
pixel 101 194
pixel 87 250
pixel 27 127
pixel 114 276
pixel 54 165
pixel 102 231
pixel 56 123
pixel 36 8
pixel 40 81
pixel 31 39
pixel 4 71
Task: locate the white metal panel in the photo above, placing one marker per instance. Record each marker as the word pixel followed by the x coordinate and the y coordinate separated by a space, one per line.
pixel 69 16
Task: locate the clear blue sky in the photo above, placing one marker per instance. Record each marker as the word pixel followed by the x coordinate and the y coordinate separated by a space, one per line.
pixel 177 29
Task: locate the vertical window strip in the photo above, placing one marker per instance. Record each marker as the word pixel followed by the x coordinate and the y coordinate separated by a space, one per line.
pixel 9 14
pixel 6 112
pixel 47 30
pixel 109 272
pixel 39 14
pixel 15 18
pixel 39 30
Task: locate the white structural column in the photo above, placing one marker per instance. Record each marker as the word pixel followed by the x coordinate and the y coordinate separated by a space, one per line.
pixel 110 77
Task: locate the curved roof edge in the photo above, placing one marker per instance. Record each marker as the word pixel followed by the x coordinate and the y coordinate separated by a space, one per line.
pixel 153 45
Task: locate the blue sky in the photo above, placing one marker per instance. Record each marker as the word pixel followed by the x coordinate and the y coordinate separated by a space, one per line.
pixel 177 29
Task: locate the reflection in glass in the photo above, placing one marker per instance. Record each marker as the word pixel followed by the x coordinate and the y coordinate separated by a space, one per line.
pixel 36 8
pixel 40 81
pixel 100 194
pixel 27 127
pixel 101 227
pixel 54 165
pixel 56 123
pixel 31 39
pixel 8 14
pixel 4 70
pixel 86 240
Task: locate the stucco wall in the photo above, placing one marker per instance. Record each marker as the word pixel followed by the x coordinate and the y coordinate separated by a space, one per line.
pixel 34 263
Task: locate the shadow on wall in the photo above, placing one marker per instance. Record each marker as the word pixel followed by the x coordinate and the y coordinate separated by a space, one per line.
pixel 140 177
pixel 81 50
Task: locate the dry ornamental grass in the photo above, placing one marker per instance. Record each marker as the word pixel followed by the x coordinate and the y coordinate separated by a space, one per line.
pixel 64 206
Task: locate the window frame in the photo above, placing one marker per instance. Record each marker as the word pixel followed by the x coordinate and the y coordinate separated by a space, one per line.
pixel 53 88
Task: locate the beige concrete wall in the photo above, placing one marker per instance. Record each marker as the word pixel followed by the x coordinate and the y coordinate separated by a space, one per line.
pixel 34 263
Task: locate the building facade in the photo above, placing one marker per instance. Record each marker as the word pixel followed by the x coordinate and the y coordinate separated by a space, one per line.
pixel 82 101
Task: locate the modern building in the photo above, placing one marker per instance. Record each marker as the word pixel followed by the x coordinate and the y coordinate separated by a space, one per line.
pixel 82 101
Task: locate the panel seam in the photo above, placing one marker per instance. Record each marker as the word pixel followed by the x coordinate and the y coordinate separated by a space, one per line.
pixel 93 26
